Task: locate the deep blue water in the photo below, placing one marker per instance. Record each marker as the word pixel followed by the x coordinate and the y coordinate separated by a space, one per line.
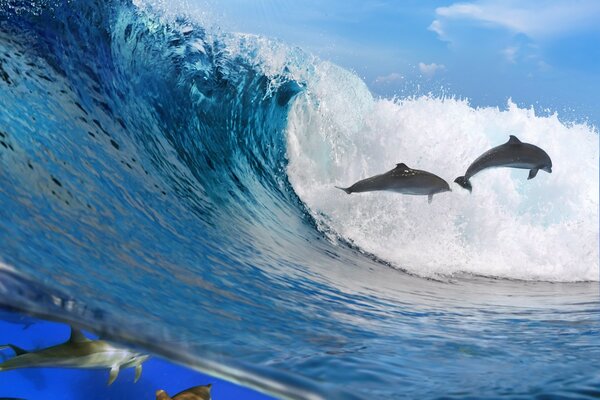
pixel 61 384
pixel 151 192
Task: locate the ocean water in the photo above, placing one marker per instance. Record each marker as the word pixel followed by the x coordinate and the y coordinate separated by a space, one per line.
pixel 62 384
pixel 170 186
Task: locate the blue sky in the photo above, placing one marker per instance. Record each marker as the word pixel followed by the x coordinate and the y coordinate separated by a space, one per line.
pixel 544 53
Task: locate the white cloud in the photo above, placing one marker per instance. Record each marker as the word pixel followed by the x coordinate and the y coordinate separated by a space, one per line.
pixel 428 70
pixel 393 77
pixel 510 53
pixel 539 19
pixel 543 65
pixel 436 26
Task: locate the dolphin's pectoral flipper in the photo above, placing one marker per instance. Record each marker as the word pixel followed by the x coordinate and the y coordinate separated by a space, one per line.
pixel 114 372
pixel 18 351
pixel 138 373
pixel 532 173
pixel 514 140
pixel 429 198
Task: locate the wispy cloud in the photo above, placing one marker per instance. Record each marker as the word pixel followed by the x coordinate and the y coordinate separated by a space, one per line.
pixel 390 78
pixel 510 53
pixel 429 70
pixel 436 26
pixel 539 19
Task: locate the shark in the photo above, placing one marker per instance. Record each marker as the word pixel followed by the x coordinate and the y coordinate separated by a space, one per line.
pixel 194 393
pixel 77 352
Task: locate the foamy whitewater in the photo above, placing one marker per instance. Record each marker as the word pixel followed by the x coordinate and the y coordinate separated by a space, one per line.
pixel 169 185
pixel 543 229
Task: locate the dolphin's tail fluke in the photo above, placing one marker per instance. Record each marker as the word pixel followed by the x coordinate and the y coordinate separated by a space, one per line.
pixel 347 190
pixel 464 182
pixel 7 365
pixel 18 351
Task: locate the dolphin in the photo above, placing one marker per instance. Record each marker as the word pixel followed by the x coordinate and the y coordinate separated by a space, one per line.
pixel 194 393
pixel 77 352
pixel 402 179
pixel 513 154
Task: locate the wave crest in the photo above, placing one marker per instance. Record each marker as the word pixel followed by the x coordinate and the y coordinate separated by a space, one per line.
pixel 543 229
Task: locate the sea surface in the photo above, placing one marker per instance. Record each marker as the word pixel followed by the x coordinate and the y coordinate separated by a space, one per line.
pixel 170 186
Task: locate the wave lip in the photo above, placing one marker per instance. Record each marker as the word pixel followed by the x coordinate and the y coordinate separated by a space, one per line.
pixel 544 229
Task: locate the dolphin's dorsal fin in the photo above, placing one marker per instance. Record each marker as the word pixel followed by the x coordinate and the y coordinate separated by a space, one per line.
pixel 513 140
pixel 402 166
pixel 77 336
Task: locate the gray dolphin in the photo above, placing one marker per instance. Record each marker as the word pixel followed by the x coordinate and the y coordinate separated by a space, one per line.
pixel 77 352
pixel 402 179
pixel 194 393
pixel 513 154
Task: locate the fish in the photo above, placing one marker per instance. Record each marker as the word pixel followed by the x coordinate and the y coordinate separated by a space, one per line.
pixel 194 393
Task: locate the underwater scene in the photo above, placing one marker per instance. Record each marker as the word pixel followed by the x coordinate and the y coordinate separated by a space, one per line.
pixel 91 383
pixel 198 204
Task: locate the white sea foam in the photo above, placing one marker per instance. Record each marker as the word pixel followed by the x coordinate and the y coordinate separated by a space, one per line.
pixel 542 229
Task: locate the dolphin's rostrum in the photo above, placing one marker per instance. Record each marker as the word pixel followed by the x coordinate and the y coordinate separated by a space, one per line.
pixel 77 352
pixel 402 179
pixel 194 393
pixel 513 154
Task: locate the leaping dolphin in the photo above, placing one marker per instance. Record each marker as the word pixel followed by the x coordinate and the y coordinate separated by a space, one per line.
pixel 513 154
pixel 77 352
pixel 402 179
pixel 194 393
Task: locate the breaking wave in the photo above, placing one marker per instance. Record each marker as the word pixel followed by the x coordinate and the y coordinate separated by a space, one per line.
pixel 159 173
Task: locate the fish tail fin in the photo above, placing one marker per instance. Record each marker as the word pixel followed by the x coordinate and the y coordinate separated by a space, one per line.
pixel 347 190
pixel 464 182
pixel 18 351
